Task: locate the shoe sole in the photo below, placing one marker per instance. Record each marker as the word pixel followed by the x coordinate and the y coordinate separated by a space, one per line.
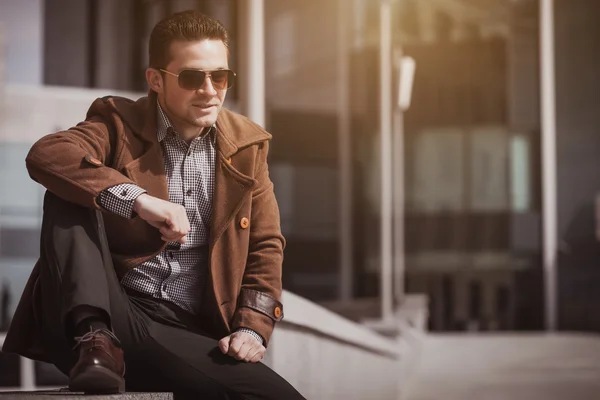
pixel 97 380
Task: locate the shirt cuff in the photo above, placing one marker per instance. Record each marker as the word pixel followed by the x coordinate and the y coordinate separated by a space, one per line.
pixel 251 332
pixel 120 199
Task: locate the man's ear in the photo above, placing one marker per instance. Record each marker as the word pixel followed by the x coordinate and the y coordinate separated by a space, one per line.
pixel 155 80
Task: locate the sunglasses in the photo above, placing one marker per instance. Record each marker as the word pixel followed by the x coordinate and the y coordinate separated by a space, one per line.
pixel 193 79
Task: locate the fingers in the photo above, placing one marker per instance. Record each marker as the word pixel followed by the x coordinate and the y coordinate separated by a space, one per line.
pixel 242 347
pixel 224 344
pixel 176 226
pixel 171 219
pixel 169 235
pixel 180 220
pixel 236 346
pixel 255 352
pixel 260 353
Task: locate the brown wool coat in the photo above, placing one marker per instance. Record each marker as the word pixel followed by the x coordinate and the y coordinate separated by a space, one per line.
pixel 245 245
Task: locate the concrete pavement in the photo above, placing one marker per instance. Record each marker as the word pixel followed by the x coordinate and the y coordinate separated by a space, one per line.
pixel 512 366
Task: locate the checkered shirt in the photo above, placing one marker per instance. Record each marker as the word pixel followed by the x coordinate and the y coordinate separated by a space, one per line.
pixel 178 274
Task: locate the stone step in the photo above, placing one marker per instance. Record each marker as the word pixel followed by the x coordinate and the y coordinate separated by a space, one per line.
pixel 65 394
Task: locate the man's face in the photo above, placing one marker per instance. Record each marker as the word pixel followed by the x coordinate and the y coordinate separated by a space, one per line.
pixel 194 108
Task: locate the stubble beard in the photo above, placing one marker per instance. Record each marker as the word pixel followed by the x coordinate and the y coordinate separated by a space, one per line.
pixel 183 119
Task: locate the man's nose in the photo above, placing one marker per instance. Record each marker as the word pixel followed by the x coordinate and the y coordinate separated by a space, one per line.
pixel 208 87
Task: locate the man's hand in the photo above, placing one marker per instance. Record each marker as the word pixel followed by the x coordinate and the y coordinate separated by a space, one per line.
pixel 169 218
pixel 242 346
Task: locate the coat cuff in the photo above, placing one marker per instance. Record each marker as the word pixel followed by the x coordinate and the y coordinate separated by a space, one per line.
pixel 261 302
pixel 257 311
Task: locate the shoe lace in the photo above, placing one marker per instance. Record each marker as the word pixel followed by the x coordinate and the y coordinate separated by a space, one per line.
pixel 91 335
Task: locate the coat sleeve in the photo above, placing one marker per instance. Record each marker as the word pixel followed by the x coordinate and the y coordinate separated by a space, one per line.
pixel 259 304
pixel 72 163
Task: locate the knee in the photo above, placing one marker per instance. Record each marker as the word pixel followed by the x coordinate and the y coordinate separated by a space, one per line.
pixel 60 212
pixel 66 222
pixel 58 207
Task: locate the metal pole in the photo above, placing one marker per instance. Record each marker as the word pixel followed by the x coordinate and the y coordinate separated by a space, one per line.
pixel 398 160
pixel 344 158
pixel 252 50
pixel 385 104
pixel 406 70
pixel 548 122
pixel 3 67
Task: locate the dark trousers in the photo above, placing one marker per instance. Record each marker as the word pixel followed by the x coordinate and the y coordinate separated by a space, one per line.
pixel 166 349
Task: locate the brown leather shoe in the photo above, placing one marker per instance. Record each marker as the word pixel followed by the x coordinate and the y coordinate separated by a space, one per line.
pixel 100 368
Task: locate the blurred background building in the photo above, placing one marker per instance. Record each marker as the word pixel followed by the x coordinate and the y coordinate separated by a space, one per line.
pixel 465 167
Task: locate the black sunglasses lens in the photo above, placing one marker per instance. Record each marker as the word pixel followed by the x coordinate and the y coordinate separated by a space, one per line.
pixel 222 79
pixel 190 79
pixel 230 78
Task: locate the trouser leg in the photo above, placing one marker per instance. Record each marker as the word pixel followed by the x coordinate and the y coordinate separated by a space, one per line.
pixel 76 270
pixel 196 366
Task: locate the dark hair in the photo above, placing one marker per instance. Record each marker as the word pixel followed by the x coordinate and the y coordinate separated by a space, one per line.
pixel 185 26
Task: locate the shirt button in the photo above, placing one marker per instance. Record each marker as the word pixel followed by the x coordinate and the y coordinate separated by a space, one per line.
pixel 170 254
pixel 189 192
pixel 124 192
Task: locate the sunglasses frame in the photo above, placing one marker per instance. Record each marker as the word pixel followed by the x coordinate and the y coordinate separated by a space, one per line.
pixel 206 74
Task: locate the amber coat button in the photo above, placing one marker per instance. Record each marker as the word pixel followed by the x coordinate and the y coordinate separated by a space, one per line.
pixel 244 223
pixel 93 160
pixel 277 312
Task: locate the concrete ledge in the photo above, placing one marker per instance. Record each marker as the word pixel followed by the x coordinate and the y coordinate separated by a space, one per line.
pixel 413 310
pixel 308 315
pixel 325 355
pixel 64 394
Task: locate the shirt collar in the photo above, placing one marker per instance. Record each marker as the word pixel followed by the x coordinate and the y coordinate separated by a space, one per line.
pixel 164 126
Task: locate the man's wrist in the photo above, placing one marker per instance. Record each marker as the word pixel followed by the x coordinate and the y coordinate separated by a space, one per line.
pixel 137 202
pixel 252 333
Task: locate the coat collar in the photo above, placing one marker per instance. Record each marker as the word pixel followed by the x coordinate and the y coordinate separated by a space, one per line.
pixel 233 131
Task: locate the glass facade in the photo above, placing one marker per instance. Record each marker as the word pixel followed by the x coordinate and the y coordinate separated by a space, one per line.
pixel 472 164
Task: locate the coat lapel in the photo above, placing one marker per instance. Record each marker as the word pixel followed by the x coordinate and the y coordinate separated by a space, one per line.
pixel 148 170
pixel 231 186
pixel 233 133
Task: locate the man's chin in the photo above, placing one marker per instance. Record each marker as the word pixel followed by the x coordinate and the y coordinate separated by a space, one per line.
pixel 204 122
